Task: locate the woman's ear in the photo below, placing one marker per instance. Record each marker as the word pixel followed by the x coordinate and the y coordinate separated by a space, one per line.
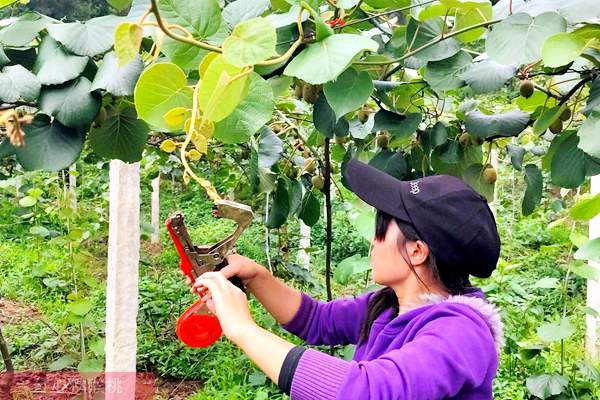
pixel 418 251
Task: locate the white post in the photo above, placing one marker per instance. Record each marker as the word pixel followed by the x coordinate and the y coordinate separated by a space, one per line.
pixel 155 213
pixel 303 256
pixel 494 162
pixel 122 280
pixel 592 340
pixel 72 186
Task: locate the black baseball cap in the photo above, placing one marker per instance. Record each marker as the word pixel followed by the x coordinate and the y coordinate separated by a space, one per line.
pixel 453 219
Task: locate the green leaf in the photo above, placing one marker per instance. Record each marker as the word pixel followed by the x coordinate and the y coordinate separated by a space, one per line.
pixel 332 56
pixel 28 201
pixel 6 3
pixel 485 126
pixel 546 283
pixel 586 208
pixel 128 39
pixel 419 34
pixel 159 89
pixel 295 192
pixel 270 148
pixel 487 75
pixel 325 120
pixel 91 38
pixel 26 28
pixel 18 84
pixel 88 365
pixel 119 81
pixel 242 10
pixel 545 386
pixel 588 134
pixel 201 18
pixel 533 193
pixel 73 104
pixel 123 136
pixel 362 218
pixel 280 206
pixel 310 209
pixel 561 49
pixel 551 332
pixel 399 125
pixel 61 363
pixel 537 99
pixel 594 97
pixel 54 65
pixel 546 119
pixel 349 91
pixel 434 136
pixel 589 251
pixel 470 13
pixel 184 55
pixel 250 42
pixel 349 266
pixel 473 175
pixel 50 146
pixel 517 153
pixel 445 74
pixel 80 307
pixel 250 115
pixel 39 230
pixel 391 162
pixel 567 162
pixel 119 5
pixel 584 270
pixel 519 38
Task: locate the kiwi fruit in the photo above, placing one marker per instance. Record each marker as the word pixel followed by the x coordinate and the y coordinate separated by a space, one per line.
pixel 383 140
pixel 465 139
pixel 310 165
pixel 565 115
pixel 318 182
pixel 556 126
pixel 363 115
pixel 489 174
pixel 526 89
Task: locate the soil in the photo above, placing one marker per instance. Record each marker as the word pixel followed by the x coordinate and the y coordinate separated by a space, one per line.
pixel 14 313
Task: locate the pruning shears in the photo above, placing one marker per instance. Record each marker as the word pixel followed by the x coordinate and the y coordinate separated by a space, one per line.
pixel 197 327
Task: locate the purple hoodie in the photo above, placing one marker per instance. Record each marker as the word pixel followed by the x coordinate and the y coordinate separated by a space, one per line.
pixel 447 348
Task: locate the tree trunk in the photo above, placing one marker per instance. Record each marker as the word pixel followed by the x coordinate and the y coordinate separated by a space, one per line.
pixel 155 214
pixel 122 280
pixel 593 288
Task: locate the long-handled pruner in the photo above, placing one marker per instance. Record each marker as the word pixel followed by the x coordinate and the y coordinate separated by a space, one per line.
pixel 197 327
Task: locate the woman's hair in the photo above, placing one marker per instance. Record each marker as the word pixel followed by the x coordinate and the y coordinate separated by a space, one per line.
pixel 451 279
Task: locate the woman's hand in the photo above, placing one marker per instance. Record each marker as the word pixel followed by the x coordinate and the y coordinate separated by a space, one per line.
pixel 240 266
pixel 227 302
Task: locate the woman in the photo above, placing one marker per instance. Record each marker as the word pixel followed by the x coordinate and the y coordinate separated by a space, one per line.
pixel 426 335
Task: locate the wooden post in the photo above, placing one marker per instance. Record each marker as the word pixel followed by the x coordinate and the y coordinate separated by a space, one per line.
pixel 122 280
pixel 155 213
pixel 592 339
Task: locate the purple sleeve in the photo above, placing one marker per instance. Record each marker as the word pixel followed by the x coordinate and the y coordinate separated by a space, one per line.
pixel 449 354
pixel 336 322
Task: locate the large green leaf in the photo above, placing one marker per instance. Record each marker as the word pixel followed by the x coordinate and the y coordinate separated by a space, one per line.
pixel 119 81
pixel 551 332
pixel 419 34
pixel 487 75
pixel 588 134
pixel 586 208
pixel 122 136
pixel 519 38
pixel 391 162
pixel 398 125
pixel 161 88
pixel 73 104
pixel 561 49
pixel 88 39
pixel 593 100
pixel 22 31
pixel 568 164
pixel 55 65
pixel 18 84
pixel 446 74
pixel 352 265
pixel 324 61
pixel 589 251
pixel 242 10
pixel 533 193
pixel 486 126
pixel 325 120
pixel 466 13
pixel 434 136
pixel 250 42
pixel 310 209
pixel 547 118
pixel 270 148
pixel 517 153
pixel 280 206
pixel 219 94
pixel 250 115
pixel 49 146
pixel 349 91
pixel 184 55
pixel 4 60
pixel 545 386
pixel 119 5
pixel 201 18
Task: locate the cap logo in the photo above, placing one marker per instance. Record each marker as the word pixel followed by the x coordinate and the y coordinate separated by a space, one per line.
pixel 414 187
